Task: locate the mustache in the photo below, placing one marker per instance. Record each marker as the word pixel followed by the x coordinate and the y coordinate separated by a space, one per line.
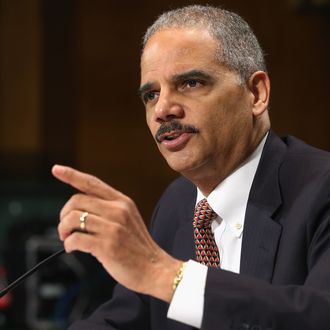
pixel 174 126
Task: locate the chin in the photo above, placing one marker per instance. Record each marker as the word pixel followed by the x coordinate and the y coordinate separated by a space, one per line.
pixel 184 160
pixel 182 165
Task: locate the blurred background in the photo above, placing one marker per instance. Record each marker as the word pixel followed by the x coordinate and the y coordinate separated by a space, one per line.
pixel 69 73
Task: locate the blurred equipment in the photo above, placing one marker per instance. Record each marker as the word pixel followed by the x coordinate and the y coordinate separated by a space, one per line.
pixel 66 289
pixel 54 293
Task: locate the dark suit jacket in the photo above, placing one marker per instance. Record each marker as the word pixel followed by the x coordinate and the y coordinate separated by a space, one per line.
pixel 285 262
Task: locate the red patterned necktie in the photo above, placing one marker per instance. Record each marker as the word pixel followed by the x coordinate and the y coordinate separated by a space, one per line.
pixel 206 249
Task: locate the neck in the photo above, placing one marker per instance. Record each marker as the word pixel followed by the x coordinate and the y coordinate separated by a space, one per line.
pixel 209 177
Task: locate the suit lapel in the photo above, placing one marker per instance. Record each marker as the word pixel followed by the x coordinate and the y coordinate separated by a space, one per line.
pixel 260 242
pixel 261 233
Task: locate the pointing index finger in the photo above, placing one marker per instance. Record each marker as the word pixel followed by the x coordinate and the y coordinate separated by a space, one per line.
pixel 84 182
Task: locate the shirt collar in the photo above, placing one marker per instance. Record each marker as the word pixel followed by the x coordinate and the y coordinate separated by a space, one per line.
pixel 229 199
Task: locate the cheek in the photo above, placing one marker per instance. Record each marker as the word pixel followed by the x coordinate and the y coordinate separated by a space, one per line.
pixel 148 119
pixel 219 126
pixel 152 125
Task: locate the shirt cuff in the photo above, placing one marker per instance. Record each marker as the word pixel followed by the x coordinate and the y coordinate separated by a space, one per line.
pixel 187 304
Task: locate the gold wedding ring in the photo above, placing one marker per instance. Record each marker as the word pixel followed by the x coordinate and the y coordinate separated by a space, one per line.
pixel 83 219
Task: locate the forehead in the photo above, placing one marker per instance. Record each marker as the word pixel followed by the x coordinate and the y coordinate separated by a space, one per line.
pixel 172 50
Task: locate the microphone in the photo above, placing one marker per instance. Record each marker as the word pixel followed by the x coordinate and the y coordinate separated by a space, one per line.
pixel 30 272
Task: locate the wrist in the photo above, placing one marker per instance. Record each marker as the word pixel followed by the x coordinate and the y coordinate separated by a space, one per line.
pixel 179 275
pixel 166 275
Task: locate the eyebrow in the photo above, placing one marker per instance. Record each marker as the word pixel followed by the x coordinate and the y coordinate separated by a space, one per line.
pixel 144 88
pixel 190 75
pixel 199 74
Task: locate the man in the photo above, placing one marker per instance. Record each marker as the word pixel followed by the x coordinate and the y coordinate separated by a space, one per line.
pixel 262 203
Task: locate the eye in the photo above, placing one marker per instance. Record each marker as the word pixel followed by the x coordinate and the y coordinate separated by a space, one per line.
pixel 192 83
pixel 149 96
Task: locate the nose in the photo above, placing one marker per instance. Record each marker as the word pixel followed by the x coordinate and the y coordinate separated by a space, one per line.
pixel 168 107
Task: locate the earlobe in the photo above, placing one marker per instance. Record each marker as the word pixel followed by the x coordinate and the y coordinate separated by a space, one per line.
pixel 259 86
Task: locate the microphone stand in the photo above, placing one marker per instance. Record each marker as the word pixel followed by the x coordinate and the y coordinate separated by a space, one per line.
pixel 30 272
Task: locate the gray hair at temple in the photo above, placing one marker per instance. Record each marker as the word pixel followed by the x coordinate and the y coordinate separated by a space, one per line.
pixel 238 48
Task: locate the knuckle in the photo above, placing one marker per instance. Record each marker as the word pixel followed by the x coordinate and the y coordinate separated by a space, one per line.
pixel 92 182
pixel 61 227
pixel 128 202
pixel 69 243
pixel 60 231
pixel 72 203
pixel 117 231
pixel 69 218
pixel 73 241
pixel 77 199
pixel 122 213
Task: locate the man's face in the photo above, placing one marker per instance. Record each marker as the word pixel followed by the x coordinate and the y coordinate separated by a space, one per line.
pixel 198 112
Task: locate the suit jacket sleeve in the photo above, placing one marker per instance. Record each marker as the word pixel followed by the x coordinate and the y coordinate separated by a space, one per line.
pixel 125 310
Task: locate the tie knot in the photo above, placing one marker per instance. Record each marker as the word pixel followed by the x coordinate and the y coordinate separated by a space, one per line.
pixel 204 214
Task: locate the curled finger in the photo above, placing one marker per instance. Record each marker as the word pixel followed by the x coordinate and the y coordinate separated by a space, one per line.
pixel 79 221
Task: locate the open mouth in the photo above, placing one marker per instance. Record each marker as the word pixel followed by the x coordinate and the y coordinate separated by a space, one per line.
pixel 170 136
pixel 175 140
pixel 171 131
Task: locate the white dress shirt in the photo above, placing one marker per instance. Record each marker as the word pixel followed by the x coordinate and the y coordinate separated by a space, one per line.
pixel 229 201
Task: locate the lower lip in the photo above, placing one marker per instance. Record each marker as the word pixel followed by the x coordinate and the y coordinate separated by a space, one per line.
pixel 178 143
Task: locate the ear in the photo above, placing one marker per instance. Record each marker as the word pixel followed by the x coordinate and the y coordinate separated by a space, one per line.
pixel 259 86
